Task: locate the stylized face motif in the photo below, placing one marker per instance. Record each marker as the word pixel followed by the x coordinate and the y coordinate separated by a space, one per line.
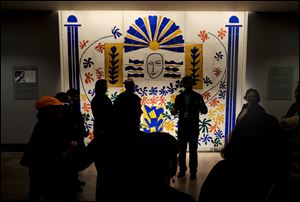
pixel 155 65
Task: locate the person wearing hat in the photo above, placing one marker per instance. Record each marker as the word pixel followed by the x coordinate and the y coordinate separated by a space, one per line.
pixel 48 151
pixel 188 104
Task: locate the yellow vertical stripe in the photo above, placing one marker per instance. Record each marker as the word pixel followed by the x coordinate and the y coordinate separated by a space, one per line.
pixel 165 29
pixel 119 73
pixel 148 28
pixel 189 66
pixel 157 27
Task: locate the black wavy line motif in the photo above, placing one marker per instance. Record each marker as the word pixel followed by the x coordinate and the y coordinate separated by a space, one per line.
pixel 135 72
pixel 172 75
pixel 133 68
pixel 172 69
pixel 173 62
pixel 136 61
pixel 136 75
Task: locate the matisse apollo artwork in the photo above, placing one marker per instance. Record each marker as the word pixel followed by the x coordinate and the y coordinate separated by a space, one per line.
pixel 157 49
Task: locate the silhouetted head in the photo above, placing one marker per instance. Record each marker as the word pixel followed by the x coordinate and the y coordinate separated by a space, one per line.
pixel 252 96
pixel 101 86
pixel 64 98
pixel 74 94
pixel 49 108
pixel 129 85
pixel 187 82
pixel 157 156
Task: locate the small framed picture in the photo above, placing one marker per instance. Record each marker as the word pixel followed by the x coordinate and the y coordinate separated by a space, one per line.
pixel 280 83
pixel 25 82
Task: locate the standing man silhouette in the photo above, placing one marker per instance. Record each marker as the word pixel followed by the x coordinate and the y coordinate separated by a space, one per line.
pixel 102 109
pixel 189 104
pixel 128 111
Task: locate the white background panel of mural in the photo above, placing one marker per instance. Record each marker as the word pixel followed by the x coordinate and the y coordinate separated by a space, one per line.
pixel 156 50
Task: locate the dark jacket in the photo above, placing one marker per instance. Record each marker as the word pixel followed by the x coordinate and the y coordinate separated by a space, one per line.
pixel 253 109
pixel 196 106
pixel 46 145
pixel 49 167
pixel 255 140
pixel 127 110
pixel 252 161
pixel 102 111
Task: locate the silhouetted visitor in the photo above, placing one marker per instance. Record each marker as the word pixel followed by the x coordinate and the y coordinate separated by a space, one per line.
pixel 253 98
pixel 294 109
pixel 102 109
pixel 48 152
pixel 286 187
pixel 102 149
pixel 77 116
pixel 127 112
pixel 115 167
pixel 252 161
pixel 156 165
pixel 189 104
pixel 74 121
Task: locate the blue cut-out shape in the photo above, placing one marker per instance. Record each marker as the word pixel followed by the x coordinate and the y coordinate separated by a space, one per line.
pixel 233 19
pixel 72 18
pixel 148 30
pixel 154 122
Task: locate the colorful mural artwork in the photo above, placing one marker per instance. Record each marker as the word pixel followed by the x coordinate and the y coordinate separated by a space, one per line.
pixel 156 50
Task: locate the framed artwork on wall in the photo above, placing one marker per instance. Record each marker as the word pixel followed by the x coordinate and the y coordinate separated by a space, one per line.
pixel 25 83
pixel 280 86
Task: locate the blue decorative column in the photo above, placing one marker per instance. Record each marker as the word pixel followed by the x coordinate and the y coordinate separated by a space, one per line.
pixel 232 68
pixel 73 53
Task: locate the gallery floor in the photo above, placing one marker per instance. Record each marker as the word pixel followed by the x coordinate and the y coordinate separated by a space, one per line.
pixel 14 178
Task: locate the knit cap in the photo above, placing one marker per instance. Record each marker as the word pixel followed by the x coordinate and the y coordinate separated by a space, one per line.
pixel 46 101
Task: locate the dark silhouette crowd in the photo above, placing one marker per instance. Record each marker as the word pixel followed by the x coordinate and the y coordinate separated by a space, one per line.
pixel 260 161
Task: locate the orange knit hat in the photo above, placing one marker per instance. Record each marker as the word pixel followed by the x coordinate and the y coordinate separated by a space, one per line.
pixel 46 101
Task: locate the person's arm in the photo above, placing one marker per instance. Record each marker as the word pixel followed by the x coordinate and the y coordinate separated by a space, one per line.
pixel 72 147
pixel 203 107
pixel 94 107
pixel 139 106
pixel 87 156
pixel 174 110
